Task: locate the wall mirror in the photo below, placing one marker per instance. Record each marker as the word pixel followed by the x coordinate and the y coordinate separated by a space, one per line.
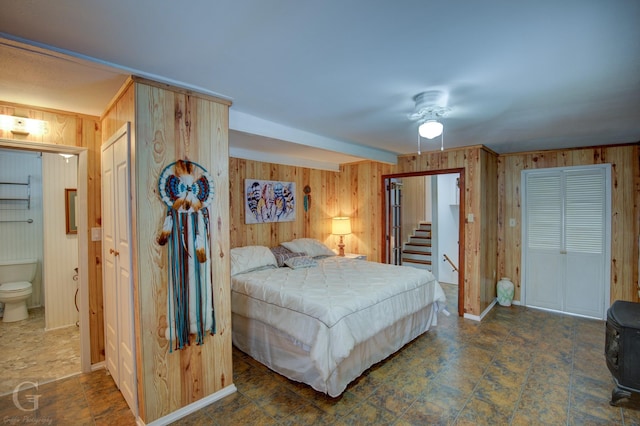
pixel 70 210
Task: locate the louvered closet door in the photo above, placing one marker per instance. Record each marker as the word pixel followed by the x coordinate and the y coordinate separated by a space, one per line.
pixel 566 253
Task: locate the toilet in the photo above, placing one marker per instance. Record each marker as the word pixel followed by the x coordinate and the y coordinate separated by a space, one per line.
pixel 15 287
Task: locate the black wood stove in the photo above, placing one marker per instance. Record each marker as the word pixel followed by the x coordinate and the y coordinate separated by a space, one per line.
pixel 622 348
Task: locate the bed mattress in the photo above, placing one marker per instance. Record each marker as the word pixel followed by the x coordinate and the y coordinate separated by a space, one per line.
pixel 328 313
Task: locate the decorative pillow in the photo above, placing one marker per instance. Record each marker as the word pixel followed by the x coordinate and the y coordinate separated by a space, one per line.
pixel 249 258
pixel 301 262
pixel 312 247
pixel 282 253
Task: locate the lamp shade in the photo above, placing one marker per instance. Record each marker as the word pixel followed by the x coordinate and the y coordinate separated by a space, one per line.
pixel 340 225
pixel 430 129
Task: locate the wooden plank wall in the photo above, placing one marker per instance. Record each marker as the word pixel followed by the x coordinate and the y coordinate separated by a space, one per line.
pixel 313 223
pixel 480 197
pixel 625 214
pixel 353 192
pixel 77 130
pixel 171 124
pixel 415 196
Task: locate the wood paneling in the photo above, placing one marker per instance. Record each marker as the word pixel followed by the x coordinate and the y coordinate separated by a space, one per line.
pixel 480 199
pixel 416 194
pixel 351 192
pixel 77 130
pixel 170 124
pixel 625 214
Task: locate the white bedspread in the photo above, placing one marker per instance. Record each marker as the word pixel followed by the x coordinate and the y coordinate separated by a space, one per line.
pixel 332 307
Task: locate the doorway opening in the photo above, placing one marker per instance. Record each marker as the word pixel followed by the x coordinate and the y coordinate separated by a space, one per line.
pixel 82 299
pixel 411 238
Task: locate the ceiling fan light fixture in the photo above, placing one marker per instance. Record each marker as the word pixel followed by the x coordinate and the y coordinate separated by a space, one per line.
pixel 430 129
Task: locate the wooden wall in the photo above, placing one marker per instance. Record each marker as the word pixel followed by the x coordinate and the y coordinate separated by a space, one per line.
pixel 480 199
pixel 170 124
pixel 625 210
pixel 416 195
pixel 353 192
pixel 77 130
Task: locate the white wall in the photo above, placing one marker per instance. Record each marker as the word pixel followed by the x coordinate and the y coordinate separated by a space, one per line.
pixel 22 240
pixel 448 223
pixel 60 248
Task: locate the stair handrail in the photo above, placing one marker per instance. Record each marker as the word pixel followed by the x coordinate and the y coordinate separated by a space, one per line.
pixel 446 259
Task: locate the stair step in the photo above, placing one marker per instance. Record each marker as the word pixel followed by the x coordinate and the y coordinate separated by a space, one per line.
pixel 422 233
pixel 409 248
pixel 419 262
pixel 418 252
pixel 416 258
pixel 419 240
pixel 419 266
pixel 418 244
pixel 424 226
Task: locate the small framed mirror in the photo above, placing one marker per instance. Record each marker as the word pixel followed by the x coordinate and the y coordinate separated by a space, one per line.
pixel 70 210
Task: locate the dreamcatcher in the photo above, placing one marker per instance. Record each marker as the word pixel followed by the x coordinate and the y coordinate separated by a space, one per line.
pixel 187 189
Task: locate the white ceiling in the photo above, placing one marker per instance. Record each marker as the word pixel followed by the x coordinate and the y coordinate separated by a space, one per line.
pixel 319 83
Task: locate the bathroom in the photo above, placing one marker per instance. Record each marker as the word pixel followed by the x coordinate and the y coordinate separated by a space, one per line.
pixel 37 221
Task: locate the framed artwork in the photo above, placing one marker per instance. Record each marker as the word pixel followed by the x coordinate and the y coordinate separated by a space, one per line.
pixel 70 210
pixel 268 201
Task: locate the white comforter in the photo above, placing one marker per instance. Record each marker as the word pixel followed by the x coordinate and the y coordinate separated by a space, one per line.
pixel 332 307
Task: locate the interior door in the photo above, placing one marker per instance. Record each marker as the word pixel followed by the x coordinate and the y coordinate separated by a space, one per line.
pixel 566 239
pixel 118 283
pixel 109 265
pixel 126 351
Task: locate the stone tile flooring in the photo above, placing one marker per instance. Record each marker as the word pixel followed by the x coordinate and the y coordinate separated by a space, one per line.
pixel 518 366
pixel 29 353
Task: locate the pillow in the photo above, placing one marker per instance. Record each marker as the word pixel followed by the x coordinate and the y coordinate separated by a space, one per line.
pixel 249 258
pixel 312 247
pixel 301 262
pixel 282 253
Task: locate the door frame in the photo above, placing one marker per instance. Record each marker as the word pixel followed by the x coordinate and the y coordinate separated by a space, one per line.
pixel 83 235
pixel 461 227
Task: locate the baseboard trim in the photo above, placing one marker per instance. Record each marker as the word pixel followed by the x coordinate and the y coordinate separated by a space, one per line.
pixel 194 406
pixel 483 314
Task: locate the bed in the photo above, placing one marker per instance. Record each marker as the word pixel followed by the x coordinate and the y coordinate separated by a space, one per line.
pixel 323 319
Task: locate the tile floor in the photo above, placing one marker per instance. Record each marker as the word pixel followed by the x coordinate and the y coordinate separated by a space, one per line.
pixel 28 352
pixel 518 366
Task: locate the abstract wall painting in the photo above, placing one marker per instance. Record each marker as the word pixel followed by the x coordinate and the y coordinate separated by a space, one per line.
pixel 269 201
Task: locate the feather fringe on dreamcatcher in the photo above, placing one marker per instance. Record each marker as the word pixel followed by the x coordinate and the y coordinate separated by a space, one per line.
pixel 187 190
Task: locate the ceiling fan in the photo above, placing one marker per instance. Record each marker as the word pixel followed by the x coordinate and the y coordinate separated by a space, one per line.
pixel 430 108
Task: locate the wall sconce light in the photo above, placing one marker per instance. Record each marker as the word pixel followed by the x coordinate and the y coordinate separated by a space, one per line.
pixel 341 226
pixel 23 125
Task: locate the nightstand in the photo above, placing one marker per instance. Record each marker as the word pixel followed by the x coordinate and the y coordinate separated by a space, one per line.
pixel 355 256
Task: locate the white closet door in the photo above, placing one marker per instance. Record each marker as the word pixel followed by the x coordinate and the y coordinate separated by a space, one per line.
pixel 585 241
pixel 545 271
pixel 118 282
pixel 566 253
pixel 126 342
pixel 109 266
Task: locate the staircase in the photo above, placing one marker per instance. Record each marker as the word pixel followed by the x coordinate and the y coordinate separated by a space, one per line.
pixel 417 252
